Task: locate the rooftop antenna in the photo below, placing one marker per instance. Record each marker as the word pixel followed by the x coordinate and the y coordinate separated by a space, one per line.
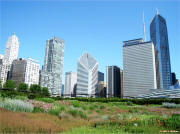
pixel 157 12
pixel 144 28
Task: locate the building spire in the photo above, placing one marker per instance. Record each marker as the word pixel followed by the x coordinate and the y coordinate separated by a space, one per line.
pixel 157 12
pixel 144 28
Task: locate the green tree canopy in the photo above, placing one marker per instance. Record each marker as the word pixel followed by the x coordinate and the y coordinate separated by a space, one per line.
pixel 45 91
pixel 9 84
pixel 35 88
pixel 22 87
pixel 0 84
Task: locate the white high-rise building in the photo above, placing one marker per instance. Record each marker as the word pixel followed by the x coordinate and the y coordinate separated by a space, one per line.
pixel 139 67
pixel 25 71
pixel 87 76
pixel 51 74
pixel 11 53
pixel 70 83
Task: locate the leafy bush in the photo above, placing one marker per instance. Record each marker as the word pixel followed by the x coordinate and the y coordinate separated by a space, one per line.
pixel 76 113
pixel 47 100
pixel 22 87
pixel 170 105
pixel 38 110
pixel 102 107
pixel 16 105
pixel 75 103
pixel 56 110
pixel 45 91
pixel 35 88
pixel 173 121
pixel 21 98
pixel 10 84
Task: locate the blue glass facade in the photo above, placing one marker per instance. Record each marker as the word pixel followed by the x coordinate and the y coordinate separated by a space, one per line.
pixel 159 37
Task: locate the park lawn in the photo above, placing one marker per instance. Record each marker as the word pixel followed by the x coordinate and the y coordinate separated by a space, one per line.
pixel 73 116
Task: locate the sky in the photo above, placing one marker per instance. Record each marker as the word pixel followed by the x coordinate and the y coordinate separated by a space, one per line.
pixel 98 27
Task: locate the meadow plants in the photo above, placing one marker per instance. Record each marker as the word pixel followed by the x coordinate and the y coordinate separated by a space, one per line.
pixel 16 105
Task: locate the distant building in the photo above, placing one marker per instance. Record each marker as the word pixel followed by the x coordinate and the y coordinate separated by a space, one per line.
pixel 114 81
pixel 70 83
pixel 51 74
pixel 87 76
pixel 62 91
pixel 25 71
pixel 159 37
pixel 102 89
pixel 173 75
pixel 139 68
pixel 100 76
pixel 11 53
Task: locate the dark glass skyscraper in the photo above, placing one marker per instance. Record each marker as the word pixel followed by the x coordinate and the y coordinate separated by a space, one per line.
pixel 159 37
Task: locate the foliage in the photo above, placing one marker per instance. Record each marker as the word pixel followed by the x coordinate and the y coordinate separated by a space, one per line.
pixel 35 88
pixel 56 110
pixel 24 98
pixel 170 105
pixel 0 84
pixel 38 110
pixel 173 121
pixel 22 87
pixel 10 84
pixel 76 113
pixel 45 91
pixel 47 100
pixel 16 105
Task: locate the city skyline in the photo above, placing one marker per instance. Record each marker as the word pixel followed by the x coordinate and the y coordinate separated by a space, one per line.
pixel 94 38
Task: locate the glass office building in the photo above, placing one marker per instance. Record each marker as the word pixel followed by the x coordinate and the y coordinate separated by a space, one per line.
pixel 87 76
pixel 51 74
pixel 159 37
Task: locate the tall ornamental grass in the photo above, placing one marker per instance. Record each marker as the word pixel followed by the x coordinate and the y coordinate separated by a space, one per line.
pixel 16 105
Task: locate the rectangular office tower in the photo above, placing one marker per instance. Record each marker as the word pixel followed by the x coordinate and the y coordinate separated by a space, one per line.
pixel 70 84
pixel 87 76
pixel 25 71
pixel 51 74
pixel 139 70
pixel 114 81
pixel 159 37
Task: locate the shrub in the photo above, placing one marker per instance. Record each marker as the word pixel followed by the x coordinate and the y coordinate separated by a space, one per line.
pixel 38 110
pixel 76 113
pixel 170 105
pixel 75 103
pixel 102 107
pixel 35 88
pixel 173 121
pixel 56 110
pixel 10 84
pixel 47 100
pixel 22 87
pixel 21 97
pixel 16 105
pixel 45 91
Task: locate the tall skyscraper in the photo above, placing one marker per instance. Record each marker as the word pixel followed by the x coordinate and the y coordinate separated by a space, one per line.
pixel 70 83
pixel 100 76
pixel 25 71
pixel 11 53
pixel 51 74
pixel 87 76
pixel 114 81
pixel 159 37
pixel 139 68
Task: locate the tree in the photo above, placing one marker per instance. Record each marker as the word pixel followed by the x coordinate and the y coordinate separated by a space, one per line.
pixel 0 84
pixel 35 88
pixel 45 91
pixel 22 87
pixel 10 84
